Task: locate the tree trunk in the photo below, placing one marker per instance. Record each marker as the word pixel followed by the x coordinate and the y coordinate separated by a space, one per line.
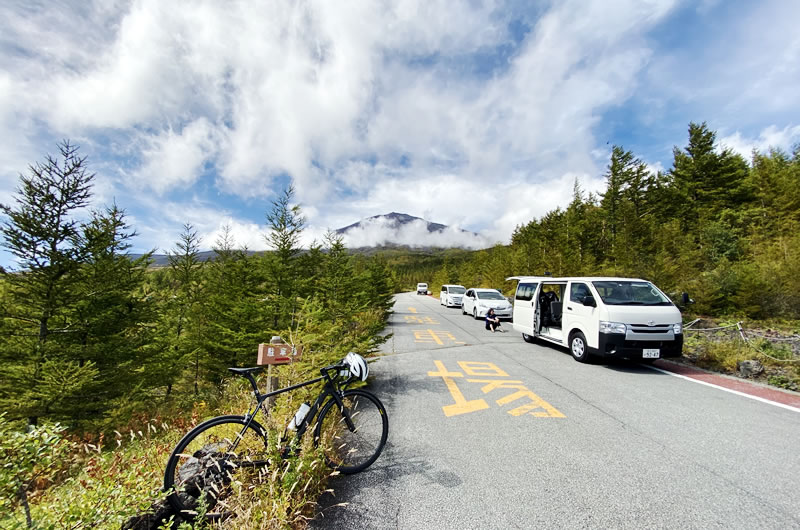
pixel 23 498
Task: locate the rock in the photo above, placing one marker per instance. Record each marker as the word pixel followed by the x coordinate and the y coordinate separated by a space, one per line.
pixel 201 475
pixel 750 368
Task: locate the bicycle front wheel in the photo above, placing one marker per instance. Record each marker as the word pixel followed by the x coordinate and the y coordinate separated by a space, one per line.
pixel 352 448
pixel 203 463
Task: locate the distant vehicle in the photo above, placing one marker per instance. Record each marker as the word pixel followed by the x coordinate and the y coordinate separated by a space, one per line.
pixel 610 317
pixel 450 295
pixel 422 288
pixel 478 301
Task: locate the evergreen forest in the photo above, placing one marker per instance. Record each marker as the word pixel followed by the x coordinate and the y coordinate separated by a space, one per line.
pixel 724 229
pixel 90 336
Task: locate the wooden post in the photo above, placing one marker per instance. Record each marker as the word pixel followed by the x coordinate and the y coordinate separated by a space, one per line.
pixel 276 352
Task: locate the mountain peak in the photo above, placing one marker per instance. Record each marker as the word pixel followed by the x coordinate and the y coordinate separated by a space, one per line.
pixel 401 229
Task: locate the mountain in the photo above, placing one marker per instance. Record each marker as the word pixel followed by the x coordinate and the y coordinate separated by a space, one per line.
pixel 394 220
pixel 395 230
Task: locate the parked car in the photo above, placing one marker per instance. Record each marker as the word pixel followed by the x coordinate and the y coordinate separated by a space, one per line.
pixel 450 295
pixel 477 301
pixel 627 318
pixel 422 288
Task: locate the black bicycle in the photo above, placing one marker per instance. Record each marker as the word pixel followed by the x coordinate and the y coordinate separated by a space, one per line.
pixel 352 425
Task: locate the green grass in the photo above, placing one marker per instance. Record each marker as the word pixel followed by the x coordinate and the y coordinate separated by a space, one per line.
pixel 103 484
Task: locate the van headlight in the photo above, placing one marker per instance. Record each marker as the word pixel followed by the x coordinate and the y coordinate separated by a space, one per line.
pixel 677 329
pixel 612 327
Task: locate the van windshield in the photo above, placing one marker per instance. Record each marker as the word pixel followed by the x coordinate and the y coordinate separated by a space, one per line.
pixel 630 293
pixel 457 290
pixel 490 295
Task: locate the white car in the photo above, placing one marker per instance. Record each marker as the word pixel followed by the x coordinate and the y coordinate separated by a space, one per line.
pixel 422 288
pixel 450 295
pixel 477 302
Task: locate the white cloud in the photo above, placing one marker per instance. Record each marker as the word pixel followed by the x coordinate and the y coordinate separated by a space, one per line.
pixel 380 231
pixel 771 137
pixel 173 159
pixel 431 108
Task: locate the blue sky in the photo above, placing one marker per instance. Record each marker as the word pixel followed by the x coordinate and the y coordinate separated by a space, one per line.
pixel 475 114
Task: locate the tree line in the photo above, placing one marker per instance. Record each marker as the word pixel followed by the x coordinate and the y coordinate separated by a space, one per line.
pixel 89 334
pixel 723 228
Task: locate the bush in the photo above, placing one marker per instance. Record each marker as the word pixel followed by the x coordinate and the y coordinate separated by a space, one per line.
pixel 30 460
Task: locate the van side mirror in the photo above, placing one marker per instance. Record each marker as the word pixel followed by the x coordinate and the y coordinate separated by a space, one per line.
pixel 686 300
pixel 589 301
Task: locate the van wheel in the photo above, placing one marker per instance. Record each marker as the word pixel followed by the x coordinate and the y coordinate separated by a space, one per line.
pixel 463 312
pixel 475 313
pixel 528 338
pixel 578 348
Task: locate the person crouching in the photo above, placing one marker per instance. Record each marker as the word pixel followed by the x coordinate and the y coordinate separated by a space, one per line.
pixel 492 321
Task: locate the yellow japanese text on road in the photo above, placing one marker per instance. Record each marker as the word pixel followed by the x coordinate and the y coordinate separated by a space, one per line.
pixel 531 403
pixel 414 319
pixel 439 337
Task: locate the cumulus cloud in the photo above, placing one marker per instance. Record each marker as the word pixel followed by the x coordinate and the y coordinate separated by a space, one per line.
pixel 380 231
pixel 176 159
pixel 770 137
pixel 479 115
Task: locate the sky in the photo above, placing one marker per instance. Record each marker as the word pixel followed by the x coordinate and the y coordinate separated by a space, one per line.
pixel 480 115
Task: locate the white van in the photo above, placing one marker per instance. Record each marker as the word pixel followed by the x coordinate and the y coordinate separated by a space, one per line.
pixel 450 295
pixel 608 317
pixel 422 288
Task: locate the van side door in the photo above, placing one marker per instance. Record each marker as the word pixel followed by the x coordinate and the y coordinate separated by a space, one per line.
pixel 522 317
pixel 577 315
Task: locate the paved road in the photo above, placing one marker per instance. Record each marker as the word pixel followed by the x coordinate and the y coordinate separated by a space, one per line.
pixel 487 431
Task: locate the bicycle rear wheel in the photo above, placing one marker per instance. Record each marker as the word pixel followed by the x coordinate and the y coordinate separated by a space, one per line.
pixel 203 463
pixel 352 450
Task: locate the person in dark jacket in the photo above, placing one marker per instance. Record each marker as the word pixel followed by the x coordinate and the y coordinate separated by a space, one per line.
pixel 492 321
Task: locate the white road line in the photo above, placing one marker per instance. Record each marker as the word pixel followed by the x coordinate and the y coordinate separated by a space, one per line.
pixel 712 385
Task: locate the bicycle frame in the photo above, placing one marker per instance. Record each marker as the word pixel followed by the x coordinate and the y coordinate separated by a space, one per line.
pixel 329 389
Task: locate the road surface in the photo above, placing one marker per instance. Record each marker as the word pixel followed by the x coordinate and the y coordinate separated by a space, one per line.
pixel 487 431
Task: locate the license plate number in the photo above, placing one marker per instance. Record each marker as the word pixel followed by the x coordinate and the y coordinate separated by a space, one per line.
pixel 648 353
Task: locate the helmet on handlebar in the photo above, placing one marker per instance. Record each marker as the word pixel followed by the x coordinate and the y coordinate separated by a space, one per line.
pixel 358 366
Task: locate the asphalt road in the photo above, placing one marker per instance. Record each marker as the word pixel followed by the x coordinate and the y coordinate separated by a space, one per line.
pixel 487 431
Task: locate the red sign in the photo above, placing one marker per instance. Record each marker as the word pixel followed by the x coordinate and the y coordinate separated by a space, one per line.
pixel 278 353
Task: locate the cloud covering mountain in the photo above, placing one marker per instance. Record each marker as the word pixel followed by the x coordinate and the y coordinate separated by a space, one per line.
pixel 397 229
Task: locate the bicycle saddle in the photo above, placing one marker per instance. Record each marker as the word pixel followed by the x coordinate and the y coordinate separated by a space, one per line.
pixel 245 371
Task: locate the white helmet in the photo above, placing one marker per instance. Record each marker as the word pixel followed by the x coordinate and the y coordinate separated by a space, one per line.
pixel 358 366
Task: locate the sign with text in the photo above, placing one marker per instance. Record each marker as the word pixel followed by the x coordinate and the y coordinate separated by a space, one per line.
pixel 278 353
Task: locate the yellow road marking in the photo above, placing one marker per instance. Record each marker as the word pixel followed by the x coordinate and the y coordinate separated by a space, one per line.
pixel 433 335
pixel 461 405
pixel 494 384
pixel 412 309
pixel 420 320
pixel 536 403
pixel 481 368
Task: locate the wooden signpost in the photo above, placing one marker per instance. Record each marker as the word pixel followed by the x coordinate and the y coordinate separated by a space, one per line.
pixel 276 352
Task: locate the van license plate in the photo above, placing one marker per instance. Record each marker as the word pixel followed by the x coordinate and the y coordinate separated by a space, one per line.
pixel 650 353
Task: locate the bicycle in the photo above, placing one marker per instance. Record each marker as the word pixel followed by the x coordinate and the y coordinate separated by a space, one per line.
pixel 202 463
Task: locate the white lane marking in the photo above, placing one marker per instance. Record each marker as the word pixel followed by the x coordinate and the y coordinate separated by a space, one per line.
pixel 712 385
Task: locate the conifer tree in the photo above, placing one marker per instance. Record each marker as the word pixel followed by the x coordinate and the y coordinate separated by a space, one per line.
pixel 286 224
pixel 180 300
pixel 43 232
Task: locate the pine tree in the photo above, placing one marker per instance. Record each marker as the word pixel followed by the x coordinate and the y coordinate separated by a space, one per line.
pixel 286 224
pixel 44 234
pixel 183 292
